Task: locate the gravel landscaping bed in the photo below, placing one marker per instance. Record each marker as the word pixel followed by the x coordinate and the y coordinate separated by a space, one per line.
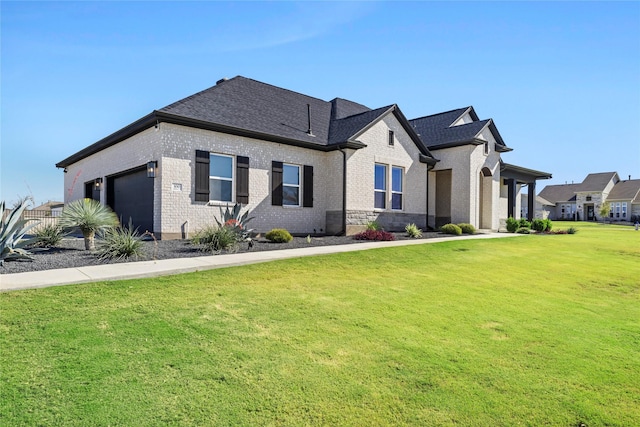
pixel 71 253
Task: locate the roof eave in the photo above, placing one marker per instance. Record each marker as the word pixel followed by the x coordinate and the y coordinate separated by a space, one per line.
pixel 157 117
pixel 116 137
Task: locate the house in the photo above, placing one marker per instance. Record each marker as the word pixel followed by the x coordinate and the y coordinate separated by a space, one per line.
pixel 624 201
pixel 298 162
pixel 583 201
pixel 562 199
pixel 50 208
pixel 542 207
pixel 470 182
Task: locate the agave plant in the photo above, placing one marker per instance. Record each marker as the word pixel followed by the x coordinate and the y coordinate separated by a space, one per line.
pixel 12 231
pixel 236 221
pixel 90 217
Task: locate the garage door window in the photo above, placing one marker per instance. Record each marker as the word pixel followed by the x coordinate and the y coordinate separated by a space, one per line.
pixel 220 178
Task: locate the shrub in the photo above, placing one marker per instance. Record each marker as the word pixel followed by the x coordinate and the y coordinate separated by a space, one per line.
pixel 379 235
pixel 572 230
pixel 48 236
pixel 12 231
pixel 373 225
pixel 523 223
pixel 548 225
pixel 451 229
pixel 90 217
pixel 279 235
pixel 215 239
pixel 120 243
pixel 235 220
pixel 413 231
pixel 467 228
pixel 512 224
pixel 538 225
pixel 523 230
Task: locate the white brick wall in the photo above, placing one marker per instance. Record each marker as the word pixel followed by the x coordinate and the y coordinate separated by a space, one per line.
pixel 404 153
pixel 466 162
pixel 175 210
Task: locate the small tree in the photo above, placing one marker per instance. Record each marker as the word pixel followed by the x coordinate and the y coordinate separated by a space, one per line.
pixel 604 210
pixel 90 217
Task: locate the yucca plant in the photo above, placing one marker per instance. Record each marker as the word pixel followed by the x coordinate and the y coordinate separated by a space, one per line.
pixel 90 217
pixel 215 239
pixel 413 231
pixel 48 236
pixel 12 231
pixel 120 243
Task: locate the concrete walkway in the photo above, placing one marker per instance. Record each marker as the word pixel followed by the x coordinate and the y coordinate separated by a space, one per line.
pixel 142 269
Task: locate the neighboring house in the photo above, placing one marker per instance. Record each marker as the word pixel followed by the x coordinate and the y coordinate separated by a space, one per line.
pixel 583 201
pixel 563 200
pixel 297 162
pixel 50 208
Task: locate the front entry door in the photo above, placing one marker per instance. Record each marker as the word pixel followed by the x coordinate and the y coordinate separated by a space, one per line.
pixel 590 213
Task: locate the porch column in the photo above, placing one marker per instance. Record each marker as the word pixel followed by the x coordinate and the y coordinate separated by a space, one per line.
pixel 511 197
pixel 532 201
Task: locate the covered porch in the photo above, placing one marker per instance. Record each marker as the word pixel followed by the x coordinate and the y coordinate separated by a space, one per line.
pixel 516 175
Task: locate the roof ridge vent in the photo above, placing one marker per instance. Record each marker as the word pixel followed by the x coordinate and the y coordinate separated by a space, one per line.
pixel 224 79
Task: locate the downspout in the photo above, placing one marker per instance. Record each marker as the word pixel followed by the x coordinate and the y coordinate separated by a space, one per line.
pixel 344 191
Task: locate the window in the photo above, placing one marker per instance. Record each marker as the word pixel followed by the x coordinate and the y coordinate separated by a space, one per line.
pixel 290 185
pixel 617 209
pixel 486 148
pixel 215 178
pixel 391 139
pixel 396 188
pixel 220 178
pixel 624 209
pixel 588 198
pixel 380 187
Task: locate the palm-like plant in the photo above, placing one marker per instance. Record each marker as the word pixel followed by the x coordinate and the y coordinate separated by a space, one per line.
pixel 90 217
pixel 12 231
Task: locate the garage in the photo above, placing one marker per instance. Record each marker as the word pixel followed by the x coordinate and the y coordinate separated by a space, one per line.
pixel 130 195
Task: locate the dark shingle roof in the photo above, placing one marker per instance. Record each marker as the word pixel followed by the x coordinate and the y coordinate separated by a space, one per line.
pixel 251 108
pixel 343 129
pixel 436 131
pixel 247 104
pixel 559 193
pixel 597 181
pixel 626 190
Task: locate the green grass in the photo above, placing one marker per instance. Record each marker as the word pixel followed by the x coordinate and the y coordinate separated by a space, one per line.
pixel 531 330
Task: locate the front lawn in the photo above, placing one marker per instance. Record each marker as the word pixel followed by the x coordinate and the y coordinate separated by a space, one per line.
pixel 533 330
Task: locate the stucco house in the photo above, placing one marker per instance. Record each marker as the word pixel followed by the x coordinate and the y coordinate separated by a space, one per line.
pixel 583 201
pixel 297 162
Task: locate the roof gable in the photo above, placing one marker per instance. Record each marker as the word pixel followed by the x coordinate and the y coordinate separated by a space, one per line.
pixel 447 129
pixel 597 182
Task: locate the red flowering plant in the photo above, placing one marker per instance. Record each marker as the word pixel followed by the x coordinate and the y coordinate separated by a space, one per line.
pixel 235 220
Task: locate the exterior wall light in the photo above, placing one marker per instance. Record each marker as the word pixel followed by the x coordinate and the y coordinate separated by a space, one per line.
pixel 98 184
pixel 152 168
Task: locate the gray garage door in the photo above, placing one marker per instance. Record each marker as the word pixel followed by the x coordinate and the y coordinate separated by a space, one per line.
pixel 130 195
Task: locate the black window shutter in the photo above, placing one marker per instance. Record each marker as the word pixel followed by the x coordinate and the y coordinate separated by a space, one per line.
pixel 307 187
pixel 202 176
pixel 276 183
pixel 242 183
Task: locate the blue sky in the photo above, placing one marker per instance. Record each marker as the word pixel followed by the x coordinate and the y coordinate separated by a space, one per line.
pixel 560 79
